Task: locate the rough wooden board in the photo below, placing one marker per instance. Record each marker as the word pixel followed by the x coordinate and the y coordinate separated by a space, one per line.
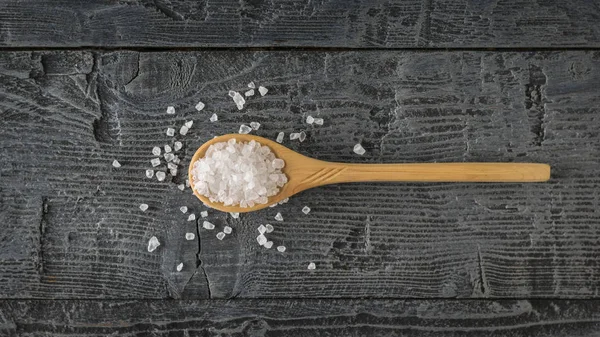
pixel 339 23
pixel 71 227
pixel 301 318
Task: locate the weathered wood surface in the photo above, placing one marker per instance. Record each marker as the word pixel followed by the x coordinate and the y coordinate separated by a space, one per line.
pixel 71 227
pixel 301 318
pixel 338 23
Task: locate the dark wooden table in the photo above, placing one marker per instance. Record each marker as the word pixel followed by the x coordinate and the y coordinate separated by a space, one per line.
pixel 85 82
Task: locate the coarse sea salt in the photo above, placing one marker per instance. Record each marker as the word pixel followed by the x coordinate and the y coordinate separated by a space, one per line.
pixel 181 187
pixel 279 138
pixel 249 93
pixel 116 164
pixel 358 149
pixel 160 176
pixel 261 239
pixel 192 217
pixel 153 244
pixel 251 85
pixel 170 110
pixel 268 244
pixel 184 130
pixel 149 173
pixel 262 90
pixel 183 209
pixel 244 129
pixel 237 99
pixel 305 209
pixel 294 135
pixel 220 235
pixel 214 118
pixel 281 249
pixel 143 207
pixel 234 215
pixel 200 106
pixel 170 132
pixel 169 157
pixel 302 136
pixel 319 121
pixel 312 266
pixel 262 229
pixel 255 125
pixel 238 173
pixel 177 146
pixel 278 217
pixel 172 166
pixel 227 230
pixel 208 225
pixel 167 149
pixel 155 162
pixel 180 266
pixel 204 214
pixel 269 228
pixel 190 236
pixel 156 151
pixel 310 119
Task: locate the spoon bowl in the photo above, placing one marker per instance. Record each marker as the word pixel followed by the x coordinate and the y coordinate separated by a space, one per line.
pixel 305 172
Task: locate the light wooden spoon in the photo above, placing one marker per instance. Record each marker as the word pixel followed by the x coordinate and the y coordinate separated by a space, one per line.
pixel 304 172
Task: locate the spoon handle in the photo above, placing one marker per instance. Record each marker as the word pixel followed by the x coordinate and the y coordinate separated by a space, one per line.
pixel 432 172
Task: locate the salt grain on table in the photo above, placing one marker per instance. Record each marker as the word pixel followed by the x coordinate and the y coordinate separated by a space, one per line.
pixel 234 215
pixel 251 85
pixel 306 210
pixel 261 239
pixel 160 176
pixel 116 164
pixel 269 228
pixel 169 157
pixel 180 266
pixel 237 99
pixel 173 172
pixel 249 93
pixel 155 162
pixel 170 132
pixel 183 209
pixel 358 149
pixel 143 207
pixel 189 124
pixel 279 138
pixel 199 106
pixel 208 225
pixel 262 90
pixel 319 121
pixel 181 187
pixel 312 266
pixel 294 135
pixel 220 235
pixel 184 130
pixel 172 166
pixel 167 149
pixel 227 230
pixel 310 120
pixel 302 136
pixel 281 249
pixel 177 146
pixel 262 229
pixel 153 244
pixel 278 217
pixel 204 214
pixel 170 110
pixel 255 125
pixel 149 173
pixel 190 236
pixel 192 217
pixel 268 244
pixel 156 151
pixel 244 129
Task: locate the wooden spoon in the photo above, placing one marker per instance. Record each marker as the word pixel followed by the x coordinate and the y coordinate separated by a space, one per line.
pixel 304 172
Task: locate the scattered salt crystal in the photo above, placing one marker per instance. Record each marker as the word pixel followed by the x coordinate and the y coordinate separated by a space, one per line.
pixel 153 244
pixel 143 207
pixel 294 135
pixel 261 239
pixel 214 118
pixel 180 266
pixel 263 91
pixel 279 138
pixel 183 209
pixel 227 230
pixel 262 229
pixel 189 124
pixel 170 110
pixel 358 149
pixel 192 217
pixel 237 99
pixel 278 217
pixel 231 93
pixel 116 164
pixel 234 215
pixel 170 132
pixel 167 149
pixel 281 249
pixel 310 119
pixel 302 136
pixel 255 125
pixel 172 166
pixel 220 235
pixel 269 228
pixel 312 266
pixel 251 85
pixel 268 244
pixel 204 214
pixel 190 236
pixel 181 187
pixel 173 172
pixel 249 93
pixel 160 175
pixel 169 157
pixel 149 173
pixel 199 106
pixel 284 201
pixel 176 160
pixel 177 146
pixel 278 163
pixel 208 225
pixel 156 151
pixel 306 210
pixel 319 121
pixel 184 130
pixel 244 129
pixel 155 162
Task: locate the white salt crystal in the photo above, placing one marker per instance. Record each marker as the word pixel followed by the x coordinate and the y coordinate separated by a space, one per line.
pixel 171 166
pixel 200 106
pixel 278 217
pixel 244 129
pixel 305 209
pixel 153 244
pixel 160 176
pixel 249 93
pixel 192 217
pixel 280 137
pixel 204 214
pixel 278 163
pixel 251 85
pixel 262 229
pixel 190 236
pixel 214 118
pixel 263 91
pixel 237 99
pixel 284 201
pixel 176 160
pixel 169 157
pixel 170 132
pixel 358 149
pixel 181 187
pixel 269 228
pixel 255 125
pixel 294 135
pixel 312 266
pixel 143 207
pixel 180 266
pixel 227 230
pixel 231 93
pixel 234 215
pixel 319 121
pixel 170 110
pixel 261 239
pixel 281 249
pixel 220 235
pixel 149 173
pixel 116 164
pixel 189 124
pixel 155 162
pixel 310 120
pixel 302 136
pixel 268 244
pixel 184 130
pixel 173 172
pixel 208 225
pixel 177 146
pixel 183 209
pixel 167 149
pixel 156 151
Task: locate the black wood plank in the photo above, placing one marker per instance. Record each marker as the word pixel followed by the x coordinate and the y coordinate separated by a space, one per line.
pixel 71 227
pixel 301 318
pixel 339 23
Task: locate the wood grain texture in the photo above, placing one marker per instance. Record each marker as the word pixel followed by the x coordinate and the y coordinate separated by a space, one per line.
pixel 338 23
pixel 72 229
pixel 506 318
